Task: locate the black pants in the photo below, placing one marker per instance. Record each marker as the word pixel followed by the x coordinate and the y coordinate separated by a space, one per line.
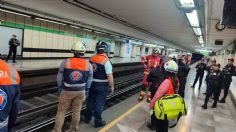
pixel 182 83
pixel 11 50
pixel 200 77
pixel 226 89
pixel 153 90
pixel 162 125
pixel 212 89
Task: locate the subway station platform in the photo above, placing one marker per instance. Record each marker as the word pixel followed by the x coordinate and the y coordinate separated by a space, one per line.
pixel 132 116
pixel 25 65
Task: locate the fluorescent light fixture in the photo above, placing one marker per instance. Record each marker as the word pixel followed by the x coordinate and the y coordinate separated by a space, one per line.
pixel 202 45
pixel 89 30
pixel 200 39
pixel 197 31
pixel 15 13
pixel 187 3
pixel 99 32
pixel 193 18
pixel 74 26
pixel 161 47
pixel 50 21
pixel 170 49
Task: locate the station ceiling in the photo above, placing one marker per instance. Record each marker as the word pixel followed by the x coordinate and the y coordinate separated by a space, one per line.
pixel 160 17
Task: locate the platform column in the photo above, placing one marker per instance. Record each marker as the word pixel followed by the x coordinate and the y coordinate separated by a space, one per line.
pixel 142 50
pixel 134 49
pixel 125 49
pixel 149 50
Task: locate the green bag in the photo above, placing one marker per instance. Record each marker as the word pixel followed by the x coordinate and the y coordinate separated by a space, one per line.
pixel 170 107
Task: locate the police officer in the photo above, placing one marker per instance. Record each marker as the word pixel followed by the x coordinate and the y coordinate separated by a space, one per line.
pixel 101 86
pixel 13 43
pixel 182 75
pixel 9 96
pixel 228 71
pixel 213 86
pixel 208 69
pixel 74 79
pixel 155 78
pixel 201 67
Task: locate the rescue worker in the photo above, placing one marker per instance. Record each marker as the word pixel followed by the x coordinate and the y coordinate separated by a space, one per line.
pixel 170 85
pixel 228 71
pixel 101 86
pixel 74 79
pixel 13 44
pixel 149 62
pixel 9 96
pixel 155 77
pixel 183 71
pixel 213 85
pixel 209 68
pixel 201 67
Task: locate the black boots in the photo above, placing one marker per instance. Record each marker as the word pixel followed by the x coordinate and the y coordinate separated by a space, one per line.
pixel 100 124
pixel 204 106
pixel 222 100
pixel 214 105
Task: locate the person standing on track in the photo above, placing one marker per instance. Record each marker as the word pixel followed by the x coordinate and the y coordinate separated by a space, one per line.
pixel 101 86
pixel 74 79
pixel 170 85
pixel 149 62
pixel 9 96
pixel 201 67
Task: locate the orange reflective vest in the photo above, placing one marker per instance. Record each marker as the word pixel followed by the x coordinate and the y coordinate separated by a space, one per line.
pixel 98 61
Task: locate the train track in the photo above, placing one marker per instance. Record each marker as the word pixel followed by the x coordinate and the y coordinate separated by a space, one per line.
pixel 40 106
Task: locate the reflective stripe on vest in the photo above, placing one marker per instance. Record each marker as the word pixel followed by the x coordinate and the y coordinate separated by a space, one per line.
pixel 74 85
pixel 98 80
pixel 8 74
pixel 4 123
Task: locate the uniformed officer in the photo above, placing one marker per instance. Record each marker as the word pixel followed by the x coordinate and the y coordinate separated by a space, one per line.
pixel 228 71
pixel 201 67
pixel 101 86
pixel 9 96
pixel 214 80
pixel 74 79
pixel 13 44
pixel 209 67
pixel 182 75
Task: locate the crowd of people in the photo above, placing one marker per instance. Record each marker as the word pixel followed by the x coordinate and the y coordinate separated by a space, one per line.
pixel 79 80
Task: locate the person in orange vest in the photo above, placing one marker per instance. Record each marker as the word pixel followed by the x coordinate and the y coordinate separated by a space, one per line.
pixel 101 87
pixel 74 79
pixel 169 86
pixel 149 62
pixel 9 96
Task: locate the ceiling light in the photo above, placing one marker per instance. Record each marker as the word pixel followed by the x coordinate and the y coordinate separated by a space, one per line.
pixel 74 26
pixel 161 47
pixel 193 18
pixel 202 45
pixel 187 3
pixel 197 31
pixel 15 13
pixel 89 30
pixel 100 32
pixel 50 21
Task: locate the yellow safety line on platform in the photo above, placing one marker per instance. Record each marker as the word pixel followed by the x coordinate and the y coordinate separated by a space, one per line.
pixel 107 127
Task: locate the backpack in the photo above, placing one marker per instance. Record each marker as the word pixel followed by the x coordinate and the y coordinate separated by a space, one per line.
pixel 170 107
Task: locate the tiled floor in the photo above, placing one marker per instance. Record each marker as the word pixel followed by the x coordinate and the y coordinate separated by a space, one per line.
pixel 23 65
pixel 221 119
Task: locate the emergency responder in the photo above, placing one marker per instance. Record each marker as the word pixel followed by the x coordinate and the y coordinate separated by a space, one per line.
pixel 228 71
pixel 209 68
pixel 13 44
pixel 213 85
pixel 101 86
pixel 74 79
pixel 149 62
pixel 9 96
pixel 182 75
pixel 201 67
pixel 155 77
pixel 170 85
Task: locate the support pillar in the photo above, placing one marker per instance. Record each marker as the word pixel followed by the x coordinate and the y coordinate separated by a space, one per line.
pixel 134 48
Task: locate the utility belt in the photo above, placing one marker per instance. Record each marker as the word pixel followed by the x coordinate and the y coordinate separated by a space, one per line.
pixel 4 123
pixel 74 87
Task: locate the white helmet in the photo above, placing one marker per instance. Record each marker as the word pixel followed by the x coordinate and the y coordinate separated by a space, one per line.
pixel 156 51
pixel 171 66
pixel 78 47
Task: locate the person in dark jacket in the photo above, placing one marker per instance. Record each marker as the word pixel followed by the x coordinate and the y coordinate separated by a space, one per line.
pixel 182 75
pixel 228 71
pixel 13 43
pixel 9 96
pixel 213 86
pixel 155 78
pixel 209 68
pixel 201 67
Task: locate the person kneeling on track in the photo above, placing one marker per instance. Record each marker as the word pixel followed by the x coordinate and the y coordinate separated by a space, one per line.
pixel 149 62
pixel 74 79
pixel 101 87
pixel 155 78
pixel 9 96
pixel 213 86
pixel 169 86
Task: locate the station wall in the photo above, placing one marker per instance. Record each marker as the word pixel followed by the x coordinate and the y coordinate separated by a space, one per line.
pixel 43 39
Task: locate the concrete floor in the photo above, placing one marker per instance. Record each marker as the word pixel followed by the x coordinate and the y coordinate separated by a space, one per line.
pixel 221 119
